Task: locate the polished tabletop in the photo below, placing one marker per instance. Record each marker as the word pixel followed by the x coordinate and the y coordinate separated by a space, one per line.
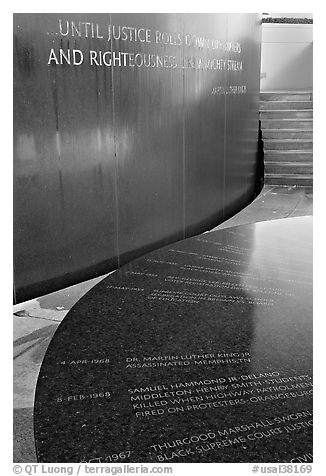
pixel 200 351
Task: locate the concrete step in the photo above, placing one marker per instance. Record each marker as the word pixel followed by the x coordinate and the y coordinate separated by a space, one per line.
pixel 286 114
pixel 287 123
pixel 281 168
pixel 298 105
pixel 268 123
pixel 288 156
pixel 289 179
pixel 286 96
pixel 287 134
pixel 287 144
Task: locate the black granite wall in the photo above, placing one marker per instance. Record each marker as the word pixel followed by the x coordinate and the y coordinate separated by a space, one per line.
pixel 125 144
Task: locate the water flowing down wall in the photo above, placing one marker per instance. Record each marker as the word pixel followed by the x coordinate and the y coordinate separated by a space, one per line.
pixel 130 131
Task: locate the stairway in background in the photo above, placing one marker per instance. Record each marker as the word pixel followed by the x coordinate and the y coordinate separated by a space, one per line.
pixel 286 121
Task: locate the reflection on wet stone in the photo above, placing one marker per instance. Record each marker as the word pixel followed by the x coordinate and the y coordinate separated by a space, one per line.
pixel 198 352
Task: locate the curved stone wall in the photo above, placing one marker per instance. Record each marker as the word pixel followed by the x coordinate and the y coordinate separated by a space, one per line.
pixel 130 131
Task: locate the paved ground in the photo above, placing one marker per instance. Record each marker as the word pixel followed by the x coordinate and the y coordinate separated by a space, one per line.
pixel 36 321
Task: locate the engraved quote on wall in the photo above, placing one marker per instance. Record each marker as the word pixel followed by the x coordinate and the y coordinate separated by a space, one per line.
pixel 210 53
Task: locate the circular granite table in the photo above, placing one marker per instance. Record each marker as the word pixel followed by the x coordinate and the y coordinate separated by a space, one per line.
pixel 200 351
